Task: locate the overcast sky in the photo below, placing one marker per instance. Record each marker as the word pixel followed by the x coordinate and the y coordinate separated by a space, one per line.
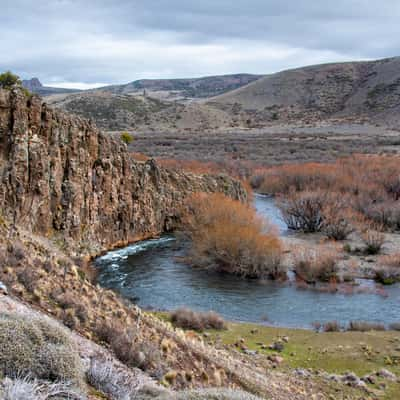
pixel 86 43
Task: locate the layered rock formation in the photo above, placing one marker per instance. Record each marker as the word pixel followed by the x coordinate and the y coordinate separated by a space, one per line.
pixel 61 177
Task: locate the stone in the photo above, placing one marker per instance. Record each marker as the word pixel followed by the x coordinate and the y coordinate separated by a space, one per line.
pixel 386 374
pixel 3 288
pixel 275 359
pixel 250 352
pixel 277 346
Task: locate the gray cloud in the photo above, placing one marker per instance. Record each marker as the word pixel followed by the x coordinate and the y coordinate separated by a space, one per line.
pixel 107 41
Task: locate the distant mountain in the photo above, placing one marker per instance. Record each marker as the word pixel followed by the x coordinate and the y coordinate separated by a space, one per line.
pixel 193 88
pixel 356 92
pixel 35 86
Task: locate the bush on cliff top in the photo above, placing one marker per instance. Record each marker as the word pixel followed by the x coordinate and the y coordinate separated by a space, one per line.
pixel 228 235
pixel 8 80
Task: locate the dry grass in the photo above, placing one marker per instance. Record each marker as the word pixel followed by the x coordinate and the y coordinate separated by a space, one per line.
pixel 229 235
pixel 37 348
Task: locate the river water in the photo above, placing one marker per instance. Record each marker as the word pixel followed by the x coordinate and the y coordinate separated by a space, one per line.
pixel 151 274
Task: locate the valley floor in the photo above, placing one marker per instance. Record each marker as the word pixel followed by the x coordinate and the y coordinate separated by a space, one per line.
pixel 268 146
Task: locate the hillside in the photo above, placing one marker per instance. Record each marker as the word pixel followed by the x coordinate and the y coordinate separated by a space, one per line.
pixel 192 88
pixel 354 90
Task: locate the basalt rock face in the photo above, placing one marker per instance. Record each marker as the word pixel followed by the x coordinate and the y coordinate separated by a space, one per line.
pixel 62 178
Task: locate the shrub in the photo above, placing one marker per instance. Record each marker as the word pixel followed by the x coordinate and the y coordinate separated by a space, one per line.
pixel 387 275
pixel 37 347
pixel 373 241
pixel 392 260
pixel 8 80
pixel 27 389
pixel 372 184
pixel 338 219
pixel 312 265
pixel 229 235
pixel 28 277
pixel 105 330
pixel 123 342
pixel 363 326
pixel 72 308
pixel 331 326
pixel 103 375
pixel 126 137
pixel 198 321
pixel 303 211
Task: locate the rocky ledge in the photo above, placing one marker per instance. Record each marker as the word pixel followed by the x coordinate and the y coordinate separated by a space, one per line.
pixel 63 179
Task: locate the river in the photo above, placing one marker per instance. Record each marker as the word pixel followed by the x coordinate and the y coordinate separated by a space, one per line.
pixel 151 274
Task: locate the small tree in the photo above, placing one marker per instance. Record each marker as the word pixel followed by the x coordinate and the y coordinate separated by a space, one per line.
pixel 126 137
pixel 8 80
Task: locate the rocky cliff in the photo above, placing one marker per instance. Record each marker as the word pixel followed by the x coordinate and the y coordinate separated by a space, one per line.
pixel 62 178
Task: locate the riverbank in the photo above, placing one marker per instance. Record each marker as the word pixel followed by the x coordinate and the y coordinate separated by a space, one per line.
pixel 328 356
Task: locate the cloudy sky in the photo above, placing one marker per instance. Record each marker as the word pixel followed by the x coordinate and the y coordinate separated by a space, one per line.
pixel 86 43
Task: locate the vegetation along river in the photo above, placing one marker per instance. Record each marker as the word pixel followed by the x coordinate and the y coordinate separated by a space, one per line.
pixel 151 274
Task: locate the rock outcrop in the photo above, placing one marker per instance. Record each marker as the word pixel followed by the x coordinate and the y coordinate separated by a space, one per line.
pixel 61 177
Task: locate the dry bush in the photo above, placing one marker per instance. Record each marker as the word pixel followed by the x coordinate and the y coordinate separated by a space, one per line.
pixel 303 211
pixel 39 348
pixel 313 265
pixel 338 219
pixel 106 330
pixel 363 326
pixel 28 277
pixel 391 260
pixel 388 271
pixel 104 376
pixel 72 307
pixel 331 326
pixel 28 389
pixel 373 241
pixel 198 321
pixel 371 182
pixel 228 235
pixel 125 344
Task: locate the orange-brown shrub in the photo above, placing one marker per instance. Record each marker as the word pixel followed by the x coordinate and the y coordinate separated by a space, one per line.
pixel 228 235
pixel 313 265
pixel 370 182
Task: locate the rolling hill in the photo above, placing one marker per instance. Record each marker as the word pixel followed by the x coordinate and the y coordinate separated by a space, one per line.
pixel 352 92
